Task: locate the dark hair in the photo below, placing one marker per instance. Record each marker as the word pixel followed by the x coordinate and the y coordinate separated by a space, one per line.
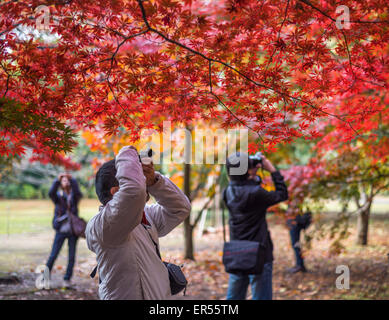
pixel 234 161
pixel 60 181
pixel 105 180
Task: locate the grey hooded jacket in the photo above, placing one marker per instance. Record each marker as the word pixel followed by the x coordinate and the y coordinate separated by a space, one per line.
pixel 128 264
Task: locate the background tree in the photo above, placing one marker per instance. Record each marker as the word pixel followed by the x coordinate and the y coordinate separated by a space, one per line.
pixel 198 181
pixel 29 179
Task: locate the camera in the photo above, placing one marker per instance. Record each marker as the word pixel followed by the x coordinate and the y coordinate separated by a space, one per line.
pixel 145 156
pixel 255 160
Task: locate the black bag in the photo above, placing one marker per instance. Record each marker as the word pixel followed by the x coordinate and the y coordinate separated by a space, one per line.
pixel 304 220
pixel 78 225
pixel 177 278
pixel 243 257
pixel 71 223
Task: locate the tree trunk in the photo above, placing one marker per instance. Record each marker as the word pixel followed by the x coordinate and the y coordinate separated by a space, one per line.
pixel 188 228
pixel 188 233
pixel 217 211
pixel 363 224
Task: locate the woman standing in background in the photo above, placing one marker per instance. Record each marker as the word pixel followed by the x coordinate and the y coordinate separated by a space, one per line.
pixel 65 194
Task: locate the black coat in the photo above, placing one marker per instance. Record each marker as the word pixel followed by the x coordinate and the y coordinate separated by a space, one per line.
pixel 247 203
pixel 60 200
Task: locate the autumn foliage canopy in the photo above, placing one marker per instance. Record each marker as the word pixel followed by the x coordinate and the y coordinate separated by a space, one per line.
pixel 283 69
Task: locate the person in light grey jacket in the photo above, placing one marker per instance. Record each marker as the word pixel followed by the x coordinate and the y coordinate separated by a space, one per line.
pixel 120 234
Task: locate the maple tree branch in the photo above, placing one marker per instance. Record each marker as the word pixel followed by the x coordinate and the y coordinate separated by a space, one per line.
pixel 8 78
pixel 120 105
pixel 279 35
pixel 164 68
pixel 374 169
pixel 204 172
pixel 205 206
pixel 123 42
pixel 142 8
pixel 347 182
pixel 348 52
pixel 10 28
pixel 285 16
pixel 149 28
pixel 221 102
pixel 317 9
pixel 236 117
pixel 112 58
pixel 101 27
pixel 352 64
pixel 308 3
pixel 7 85
pixel 210 60
pixel 125 38
pixel 108 82
pixel 210 75
pixel 356 77
pixel 379 189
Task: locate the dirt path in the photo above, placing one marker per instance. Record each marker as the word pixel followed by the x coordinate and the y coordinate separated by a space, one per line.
pixel 369 267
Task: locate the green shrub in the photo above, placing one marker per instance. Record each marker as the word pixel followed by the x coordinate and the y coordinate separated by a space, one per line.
pixel 89 193
pixel 28 192
pixel 43 191
pixel 19 191
pixel 11 191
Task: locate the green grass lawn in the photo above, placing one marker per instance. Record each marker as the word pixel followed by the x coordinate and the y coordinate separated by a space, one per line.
pixel 30 216
pixel 380 206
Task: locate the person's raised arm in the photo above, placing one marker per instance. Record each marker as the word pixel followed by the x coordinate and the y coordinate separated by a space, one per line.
pixel 125 210
pixel 268 198
pixel 172 205
pixel 75 189
pixel 54 189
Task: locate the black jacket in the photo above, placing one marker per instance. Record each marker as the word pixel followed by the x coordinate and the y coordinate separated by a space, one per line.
pixel 247 203
pixel 60 200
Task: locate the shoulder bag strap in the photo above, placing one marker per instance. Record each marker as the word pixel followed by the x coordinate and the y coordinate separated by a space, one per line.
pixel 223 209
pixel 155 244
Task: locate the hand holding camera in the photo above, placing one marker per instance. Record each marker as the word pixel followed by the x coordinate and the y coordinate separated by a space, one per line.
pixel 145 157
pixel 260 161
pixel 149 172
pixel 267 165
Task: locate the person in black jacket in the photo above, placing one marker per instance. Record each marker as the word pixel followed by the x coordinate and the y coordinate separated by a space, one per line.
pixel 65 194
pixel 247 203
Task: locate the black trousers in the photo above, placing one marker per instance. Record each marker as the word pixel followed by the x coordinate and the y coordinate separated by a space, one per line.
pixel 57 245
pixel 295 239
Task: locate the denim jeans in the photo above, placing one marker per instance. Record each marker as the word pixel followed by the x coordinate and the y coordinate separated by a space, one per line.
pixel 295 239
pixel 261 285
pixel 57 245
